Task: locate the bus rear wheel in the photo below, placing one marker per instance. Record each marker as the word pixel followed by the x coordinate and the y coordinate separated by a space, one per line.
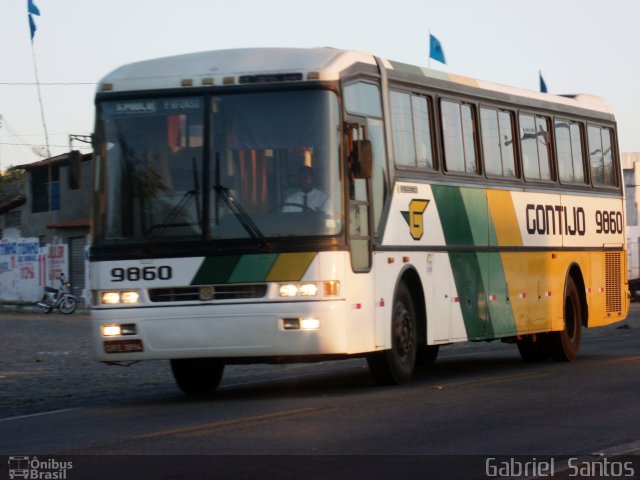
pixel 564 346
pixel 197 376
pixel 395 366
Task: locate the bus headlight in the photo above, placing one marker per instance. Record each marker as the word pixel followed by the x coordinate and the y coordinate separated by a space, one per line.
pixel 298 290
pixel 127 297
pixel 329 288
pixel 288 290
pixel 308 290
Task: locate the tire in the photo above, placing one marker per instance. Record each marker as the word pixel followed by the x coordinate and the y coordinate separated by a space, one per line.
pixel 564 346
pixel 46 309
pixel 197 376
pixel 395 366
pixel 68 305
pixel 534 349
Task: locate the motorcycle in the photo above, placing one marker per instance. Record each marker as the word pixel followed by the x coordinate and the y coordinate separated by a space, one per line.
pixel 60 298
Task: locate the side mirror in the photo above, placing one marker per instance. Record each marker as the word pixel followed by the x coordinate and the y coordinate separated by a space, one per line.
pixel 362 159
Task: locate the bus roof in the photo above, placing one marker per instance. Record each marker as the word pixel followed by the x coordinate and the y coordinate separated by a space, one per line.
pixel 227 67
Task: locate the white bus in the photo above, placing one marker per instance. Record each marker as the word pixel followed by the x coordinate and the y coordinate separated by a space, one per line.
pixel 283 205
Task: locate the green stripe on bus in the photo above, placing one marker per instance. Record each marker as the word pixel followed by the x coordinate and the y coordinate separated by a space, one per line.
pixel 500 309
pixel 464 265
pixel 284 267
pixel 479 276
pixel 493 278
pixel 215 270
pixel 475 205
pixel 253 268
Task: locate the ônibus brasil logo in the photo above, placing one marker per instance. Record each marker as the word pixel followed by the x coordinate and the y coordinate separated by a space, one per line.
pixel 36 469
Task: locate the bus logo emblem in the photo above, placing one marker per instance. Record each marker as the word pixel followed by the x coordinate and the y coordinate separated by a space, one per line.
pixel 414 217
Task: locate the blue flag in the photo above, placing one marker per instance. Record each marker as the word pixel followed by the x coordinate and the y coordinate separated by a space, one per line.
pixel 435 49
pixel 31 7
pixel 32 27
pixel 33 10
pixel 543 85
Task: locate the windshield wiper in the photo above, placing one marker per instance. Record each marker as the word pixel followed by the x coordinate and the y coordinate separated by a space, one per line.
pixel 180 207
pixel 240 213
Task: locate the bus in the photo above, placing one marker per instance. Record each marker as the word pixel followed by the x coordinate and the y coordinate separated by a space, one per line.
pixel 294 205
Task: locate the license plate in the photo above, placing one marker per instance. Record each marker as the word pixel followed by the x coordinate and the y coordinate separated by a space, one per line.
pixel 123 346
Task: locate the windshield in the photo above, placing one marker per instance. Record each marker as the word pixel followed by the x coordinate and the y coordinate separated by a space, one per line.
pixel 262 165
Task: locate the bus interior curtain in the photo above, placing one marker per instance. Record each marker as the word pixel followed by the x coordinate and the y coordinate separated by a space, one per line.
pixel 254 187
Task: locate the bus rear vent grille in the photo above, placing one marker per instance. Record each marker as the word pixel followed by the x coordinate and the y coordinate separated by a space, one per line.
pixel 207 293
pixel 613 283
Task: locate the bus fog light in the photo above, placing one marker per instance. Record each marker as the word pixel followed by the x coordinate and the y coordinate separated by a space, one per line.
pixel 111 330
pixel 291 323
pixel 310 323
pixel 128 329
pixel 115 330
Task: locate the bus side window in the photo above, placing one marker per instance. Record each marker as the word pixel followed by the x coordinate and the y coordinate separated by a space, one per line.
pixel 411 129
pixel 534 141
pixel 601 157
pixel 458 130
pixel 497 142
pixel 402 128
pixel 422 130
pixel 569 151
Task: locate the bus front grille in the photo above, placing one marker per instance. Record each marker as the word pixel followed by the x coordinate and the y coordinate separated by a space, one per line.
pixel 613 283
pixel 207 293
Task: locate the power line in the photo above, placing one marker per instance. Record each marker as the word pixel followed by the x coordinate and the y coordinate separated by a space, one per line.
pixel 47 83
pixel 39 145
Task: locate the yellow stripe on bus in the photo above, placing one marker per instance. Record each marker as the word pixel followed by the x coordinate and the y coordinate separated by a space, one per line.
pixel 503 215
pixel 290 267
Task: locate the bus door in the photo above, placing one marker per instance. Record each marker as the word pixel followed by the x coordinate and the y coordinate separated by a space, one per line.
pixel 359 162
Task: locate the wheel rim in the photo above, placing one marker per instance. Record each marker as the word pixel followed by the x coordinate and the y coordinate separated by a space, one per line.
pixel 404 334
pixel 67 305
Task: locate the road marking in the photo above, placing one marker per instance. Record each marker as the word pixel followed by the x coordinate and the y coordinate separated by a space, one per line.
pixel 212 426
pixel 483 381
pixel 618 450
pixel 617 361
pixel 21 417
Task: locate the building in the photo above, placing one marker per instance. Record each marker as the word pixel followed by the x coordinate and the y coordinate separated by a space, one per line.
pixel 631 172
pixel 52 210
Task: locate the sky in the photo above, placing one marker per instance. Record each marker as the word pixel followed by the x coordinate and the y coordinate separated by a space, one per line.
pixel 580 46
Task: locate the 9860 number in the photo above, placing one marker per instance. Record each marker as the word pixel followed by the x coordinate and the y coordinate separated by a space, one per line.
pixel 133 274
pixel 608 221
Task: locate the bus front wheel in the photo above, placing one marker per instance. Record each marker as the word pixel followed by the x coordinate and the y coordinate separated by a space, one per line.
pixel 395 366
pixel 197 376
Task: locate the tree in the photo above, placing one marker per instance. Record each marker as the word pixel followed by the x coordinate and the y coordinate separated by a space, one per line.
pixel 11 177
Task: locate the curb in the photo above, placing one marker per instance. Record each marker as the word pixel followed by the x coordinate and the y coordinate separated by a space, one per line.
pixel 28 308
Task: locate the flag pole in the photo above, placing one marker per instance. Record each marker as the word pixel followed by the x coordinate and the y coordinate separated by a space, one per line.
pixel 46 133
pixel 429 50
pixel 44 123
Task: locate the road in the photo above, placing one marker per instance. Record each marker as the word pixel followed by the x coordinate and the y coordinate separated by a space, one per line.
pixel 328 419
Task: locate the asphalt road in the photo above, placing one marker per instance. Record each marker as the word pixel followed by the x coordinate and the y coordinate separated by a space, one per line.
pixel 315 420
